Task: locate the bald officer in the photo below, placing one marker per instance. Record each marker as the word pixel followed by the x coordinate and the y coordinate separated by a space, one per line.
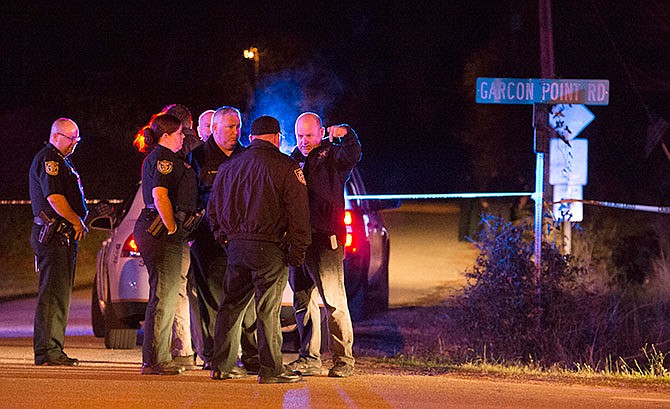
pixel 59 210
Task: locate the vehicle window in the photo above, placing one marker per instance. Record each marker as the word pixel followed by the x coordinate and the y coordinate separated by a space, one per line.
pixel 127 202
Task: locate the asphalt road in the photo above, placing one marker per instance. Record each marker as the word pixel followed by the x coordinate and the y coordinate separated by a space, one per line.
pixel 426 259
pixel 111 379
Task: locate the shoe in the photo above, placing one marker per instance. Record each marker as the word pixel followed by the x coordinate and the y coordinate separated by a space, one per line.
pixel 61 361
pixel 164 368
pixel 252 369
pixel 253 366
pixel 188 362
pixel 341 370
pixel 288 376
pixel 235 373
pixel 307 367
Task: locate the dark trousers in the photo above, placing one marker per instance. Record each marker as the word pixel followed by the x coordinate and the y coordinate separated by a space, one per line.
pixel 56 265
pixel 256 271
pixel 163 258
pixel 208 267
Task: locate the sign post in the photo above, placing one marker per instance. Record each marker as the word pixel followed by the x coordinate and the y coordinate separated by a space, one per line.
pixel 541 92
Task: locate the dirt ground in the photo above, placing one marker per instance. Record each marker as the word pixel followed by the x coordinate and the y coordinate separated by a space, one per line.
pixel 427 268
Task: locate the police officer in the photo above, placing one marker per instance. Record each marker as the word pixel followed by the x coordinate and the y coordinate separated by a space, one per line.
pixel 208 257
pixel 169 193
pixel 59 208
pixel 327 167
pixel 205 124
pixel 259 202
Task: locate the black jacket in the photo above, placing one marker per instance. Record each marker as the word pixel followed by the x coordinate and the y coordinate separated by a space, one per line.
pixel 327 169
pixel 260 195
pixel 205 160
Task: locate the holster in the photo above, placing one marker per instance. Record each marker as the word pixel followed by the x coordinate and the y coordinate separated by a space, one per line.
pixel 188 222
pixel 192 220
pixel 55 227
pixel 157 229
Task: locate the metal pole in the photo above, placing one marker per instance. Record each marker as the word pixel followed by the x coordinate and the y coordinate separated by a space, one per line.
pixel 567 236
pixel 538 198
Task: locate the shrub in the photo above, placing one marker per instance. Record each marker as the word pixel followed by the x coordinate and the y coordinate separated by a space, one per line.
pixel 589 308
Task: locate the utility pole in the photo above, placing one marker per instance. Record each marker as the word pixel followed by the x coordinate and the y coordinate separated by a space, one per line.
pixel 542 136
pixel 546 40
pixel 254 57
pixel 547 71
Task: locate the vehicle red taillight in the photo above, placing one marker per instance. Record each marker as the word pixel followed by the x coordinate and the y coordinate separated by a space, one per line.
pixel 129 248
pixel 348 224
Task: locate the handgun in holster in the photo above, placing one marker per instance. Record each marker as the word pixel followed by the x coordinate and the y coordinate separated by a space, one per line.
pixel 48 228
pixel 192 220
pixel 157 228
pixel 55 227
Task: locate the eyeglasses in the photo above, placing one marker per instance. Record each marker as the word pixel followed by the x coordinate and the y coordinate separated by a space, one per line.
pixel 71 138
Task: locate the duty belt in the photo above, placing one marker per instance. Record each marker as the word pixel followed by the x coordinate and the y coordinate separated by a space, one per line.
pixel 179 216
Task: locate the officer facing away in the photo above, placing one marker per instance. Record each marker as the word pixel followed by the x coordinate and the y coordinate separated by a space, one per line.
pixel 259 202
pixel 327 167
pixel 59 210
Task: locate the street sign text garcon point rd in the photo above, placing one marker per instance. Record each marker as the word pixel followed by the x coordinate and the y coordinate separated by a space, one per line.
pixel 542 91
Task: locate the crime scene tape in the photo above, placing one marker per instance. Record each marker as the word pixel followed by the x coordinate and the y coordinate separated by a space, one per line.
pixel 410 196
pixel 27 202
pixel 418 196
pixel 625 206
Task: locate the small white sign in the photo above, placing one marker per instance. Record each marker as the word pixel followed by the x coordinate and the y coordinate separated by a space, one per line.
pixel 572 211
pixel 568 165
pixel 570 119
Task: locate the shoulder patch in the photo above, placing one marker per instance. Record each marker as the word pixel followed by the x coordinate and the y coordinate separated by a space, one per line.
pixel 300 176
pixel 51 167
pixel 164 166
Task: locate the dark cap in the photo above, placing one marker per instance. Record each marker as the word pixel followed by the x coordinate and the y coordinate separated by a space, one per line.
pixel 265 125
pixel 181 112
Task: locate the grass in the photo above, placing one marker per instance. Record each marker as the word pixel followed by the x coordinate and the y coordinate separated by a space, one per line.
pixel 584 375
pixel 17 271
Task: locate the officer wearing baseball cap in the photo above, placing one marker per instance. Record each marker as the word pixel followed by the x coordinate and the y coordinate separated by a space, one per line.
pixel 259 203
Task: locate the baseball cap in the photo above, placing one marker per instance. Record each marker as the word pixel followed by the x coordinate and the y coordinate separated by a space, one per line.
pixel 265 125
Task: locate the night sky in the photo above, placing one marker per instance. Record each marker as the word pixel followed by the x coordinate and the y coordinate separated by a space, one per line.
pixel 403 75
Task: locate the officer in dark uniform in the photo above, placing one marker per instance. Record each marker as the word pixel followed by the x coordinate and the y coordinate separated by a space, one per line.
pixel 59 208
pixel 208 257
pixel 327 167
pixel 259 202
pixel 169 192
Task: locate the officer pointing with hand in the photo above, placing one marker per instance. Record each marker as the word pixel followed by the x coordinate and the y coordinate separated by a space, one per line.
pixel 59 209
pixel 327 166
